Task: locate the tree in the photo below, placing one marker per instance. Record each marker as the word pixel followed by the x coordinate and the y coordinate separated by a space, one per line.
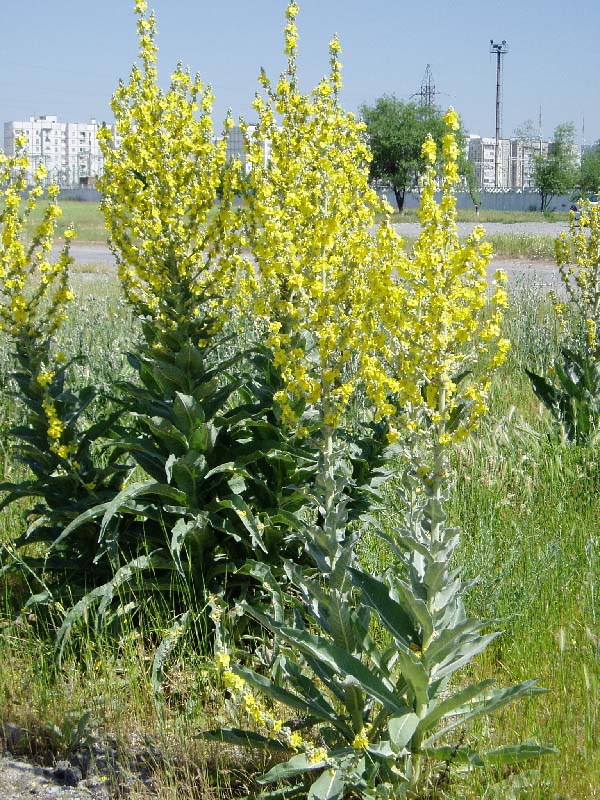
pixel 527 133
pixel 557 173
pixel 590 169
pixel 396 132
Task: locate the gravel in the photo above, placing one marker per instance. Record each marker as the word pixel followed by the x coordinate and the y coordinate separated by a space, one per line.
pixel 98 771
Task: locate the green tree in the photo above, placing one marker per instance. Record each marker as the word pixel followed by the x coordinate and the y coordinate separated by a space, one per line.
pixel 527 133
pixel 396 131
pixel 590 169
pixel 557 172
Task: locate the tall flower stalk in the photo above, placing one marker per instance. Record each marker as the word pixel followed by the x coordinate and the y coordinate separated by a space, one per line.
pixel 176 247
pixel 309 219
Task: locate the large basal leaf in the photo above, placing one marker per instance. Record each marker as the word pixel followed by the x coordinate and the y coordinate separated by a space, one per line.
pixel 147 488
pixel 517 753
pixel 101 594
pixel 179 534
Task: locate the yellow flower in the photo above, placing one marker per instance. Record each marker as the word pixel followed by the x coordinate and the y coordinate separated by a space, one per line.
pixel 223 660
pixel 451 119
pixel 361 740
pixel 429 150
pixel 296 741
pixel 45 378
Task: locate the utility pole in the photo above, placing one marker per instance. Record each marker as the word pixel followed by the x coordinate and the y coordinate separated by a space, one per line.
pixel 500 49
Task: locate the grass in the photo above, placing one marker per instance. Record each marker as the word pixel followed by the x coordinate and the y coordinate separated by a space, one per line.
pixel 86 219
pixel 528 506
pixel 533 247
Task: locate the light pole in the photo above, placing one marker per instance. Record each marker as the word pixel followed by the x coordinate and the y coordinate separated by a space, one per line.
pixel 499 48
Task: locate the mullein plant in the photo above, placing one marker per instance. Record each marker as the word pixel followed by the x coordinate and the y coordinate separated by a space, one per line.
pixel 571 392
pixel 374 715
pixel 218 492
pixel 56 438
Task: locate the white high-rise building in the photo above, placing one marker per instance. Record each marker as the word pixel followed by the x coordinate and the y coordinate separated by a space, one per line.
pixel 516 160
pixel 70 151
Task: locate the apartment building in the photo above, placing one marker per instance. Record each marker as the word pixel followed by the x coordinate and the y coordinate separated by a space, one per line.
pixel 236 147
pixel 516 161
pixel 70 151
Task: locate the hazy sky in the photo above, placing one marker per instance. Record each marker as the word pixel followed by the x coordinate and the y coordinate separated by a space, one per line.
pixel 65 57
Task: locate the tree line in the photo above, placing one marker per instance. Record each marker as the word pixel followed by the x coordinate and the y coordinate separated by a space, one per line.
pixel 397 129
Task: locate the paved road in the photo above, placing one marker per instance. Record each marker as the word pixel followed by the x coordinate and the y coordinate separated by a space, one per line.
pixel 544 274
pixel 98 253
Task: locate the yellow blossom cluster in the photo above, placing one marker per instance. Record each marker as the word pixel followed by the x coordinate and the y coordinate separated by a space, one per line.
pixel 260 714
pixel 434 306
pixel 34 289
pixel 578 258
pixel 308 221
pixel 176 262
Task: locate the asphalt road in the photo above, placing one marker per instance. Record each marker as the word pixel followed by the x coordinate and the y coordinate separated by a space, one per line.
pixel 544 274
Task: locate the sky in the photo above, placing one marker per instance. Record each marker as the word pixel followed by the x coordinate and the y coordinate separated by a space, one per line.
pixel 65 57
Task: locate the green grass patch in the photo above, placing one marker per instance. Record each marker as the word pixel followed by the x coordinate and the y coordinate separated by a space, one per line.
pixel 86 218
pixel 534 247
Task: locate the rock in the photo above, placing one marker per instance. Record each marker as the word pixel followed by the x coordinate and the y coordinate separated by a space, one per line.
pixel 66 774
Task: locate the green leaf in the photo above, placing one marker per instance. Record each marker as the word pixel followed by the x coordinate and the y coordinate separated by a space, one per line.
pixel 245 515
pixel 336 659
pixel 462 653
pixel 458 755
pixel 187 413
pixel 517 753
pixel 190 359
pixel 402 729
pixel 416 607
pixel 296 765
pixel 489 703
pixel 415 674
pixel 450 705
pixel 241 738
pixel 262 572
pixel 86 516
pixel 328 786
pixel 166 435
pixel 317 708
pixel 375 594
pixel 179 533
pixel 138 490
pixel 104 594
